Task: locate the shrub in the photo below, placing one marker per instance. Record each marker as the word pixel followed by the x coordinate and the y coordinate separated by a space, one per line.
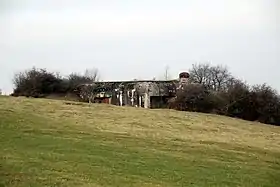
pixel 196 98
pixel 266 104
pixel 40 83
pixel 258 103
pixel 35 83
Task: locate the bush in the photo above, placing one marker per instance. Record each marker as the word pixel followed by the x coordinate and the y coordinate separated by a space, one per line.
pixel 40 83
pixel 236 98
pixel 258 103
pixel 196 98
pixel 74 80
pixel 35 83
pixel 266 104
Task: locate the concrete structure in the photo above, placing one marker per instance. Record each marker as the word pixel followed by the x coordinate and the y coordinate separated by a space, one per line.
pixel 143 93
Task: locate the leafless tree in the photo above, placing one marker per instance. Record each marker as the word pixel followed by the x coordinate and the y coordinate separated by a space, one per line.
pixel 92 74
pixel 220 77
pixel 200 73
pixel 214 77
pixel 85 84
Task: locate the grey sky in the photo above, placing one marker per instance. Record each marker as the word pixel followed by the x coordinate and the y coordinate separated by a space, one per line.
pixel 127 39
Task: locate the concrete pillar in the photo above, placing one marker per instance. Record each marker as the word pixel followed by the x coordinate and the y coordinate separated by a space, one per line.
pixel 140 101
pixel 146 100
pixel 121 98
pixel 132 97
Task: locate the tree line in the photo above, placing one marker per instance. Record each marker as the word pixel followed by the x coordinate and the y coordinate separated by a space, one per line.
pixel 212 89
pixel 40 83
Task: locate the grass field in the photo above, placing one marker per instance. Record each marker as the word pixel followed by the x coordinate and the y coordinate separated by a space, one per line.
pixel 52 143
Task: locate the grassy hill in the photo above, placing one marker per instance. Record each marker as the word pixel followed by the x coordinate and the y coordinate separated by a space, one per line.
pixel 53 143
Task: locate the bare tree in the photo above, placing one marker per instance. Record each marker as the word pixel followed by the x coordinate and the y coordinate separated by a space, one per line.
pixel 92 74
pixel 220 77
pixel 214 77
pixel 200 73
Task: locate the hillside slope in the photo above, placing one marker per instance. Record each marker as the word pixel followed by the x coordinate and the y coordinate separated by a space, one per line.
pixel 53 143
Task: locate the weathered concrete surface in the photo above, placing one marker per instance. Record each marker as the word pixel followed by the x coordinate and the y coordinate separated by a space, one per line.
pixel 131 93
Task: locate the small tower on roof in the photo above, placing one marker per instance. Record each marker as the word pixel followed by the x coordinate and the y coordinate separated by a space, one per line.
pixel 184 78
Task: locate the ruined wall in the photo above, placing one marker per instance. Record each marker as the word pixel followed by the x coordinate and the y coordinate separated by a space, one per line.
pixel 132 93
pixel 148 94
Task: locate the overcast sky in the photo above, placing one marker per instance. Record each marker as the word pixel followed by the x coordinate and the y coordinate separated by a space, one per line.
pixel 127 39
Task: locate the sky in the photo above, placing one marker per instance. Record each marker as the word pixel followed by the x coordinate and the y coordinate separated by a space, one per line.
pixel 131 39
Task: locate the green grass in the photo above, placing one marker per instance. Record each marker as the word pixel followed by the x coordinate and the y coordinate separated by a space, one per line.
pixel 52 143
